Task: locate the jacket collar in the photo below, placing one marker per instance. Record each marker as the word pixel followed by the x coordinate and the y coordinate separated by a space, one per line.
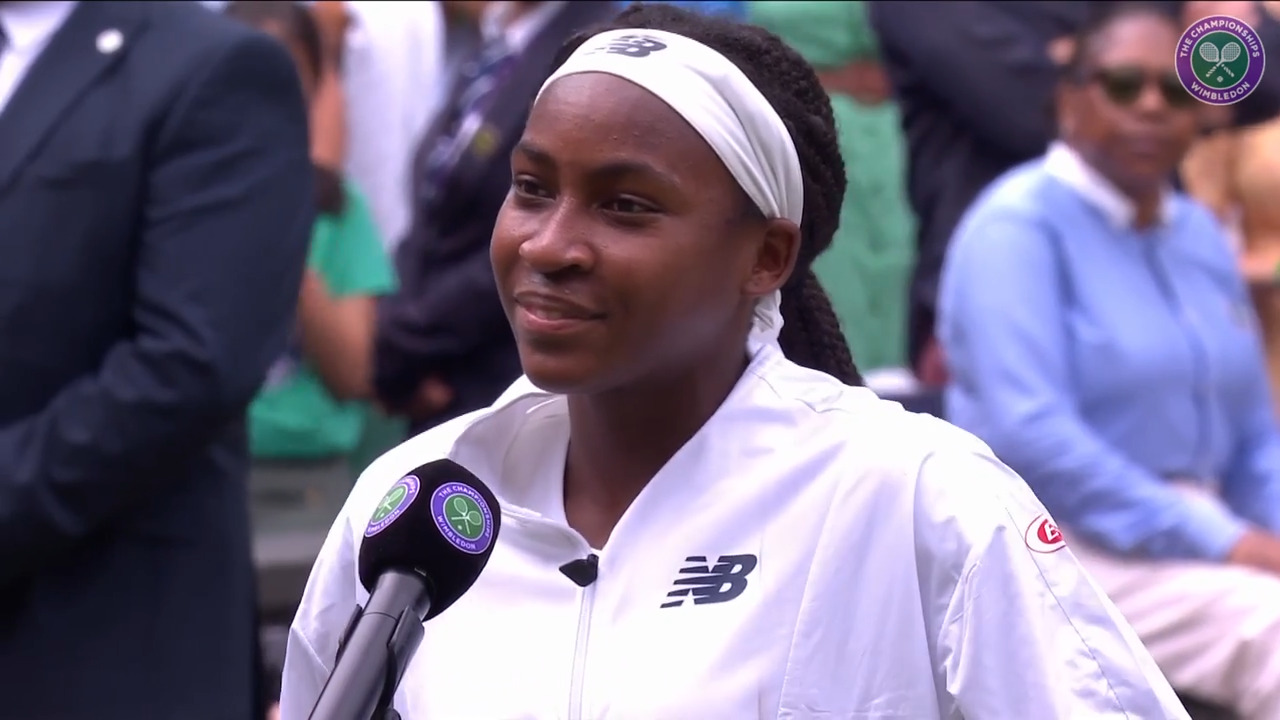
pixel 481 445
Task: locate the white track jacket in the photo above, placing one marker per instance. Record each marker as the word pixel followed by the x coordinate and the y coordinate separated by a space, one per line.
pixel 811 553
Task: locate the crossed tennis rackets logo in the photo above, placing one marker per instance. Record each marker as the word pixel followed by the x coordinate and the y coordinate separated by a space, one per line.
pixel 1210 53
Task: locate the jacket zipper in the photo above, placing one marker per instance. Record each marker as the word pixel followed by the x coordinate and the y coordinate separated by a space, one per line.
pixel 577 687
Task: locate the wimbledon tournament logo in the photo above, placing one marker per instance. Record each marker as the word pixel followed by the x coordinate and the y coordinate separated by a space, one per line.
pixel 464 518
pixel 393 504
pixel 1220 60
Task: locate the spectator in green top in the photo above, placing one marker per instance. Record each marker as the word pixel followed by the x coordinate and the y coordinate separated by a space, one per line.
pixel 868 266
pixel 311 413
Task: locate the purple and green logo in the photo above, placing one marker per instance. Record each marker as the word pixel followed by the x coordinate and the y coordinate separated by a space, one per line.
pixel 1220 60
pixel 463 517
pixel 393 504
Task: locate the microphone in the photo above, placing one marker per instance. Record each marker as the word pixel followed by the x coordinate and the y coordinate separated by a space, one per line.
pixel 427 542
pixel 582 571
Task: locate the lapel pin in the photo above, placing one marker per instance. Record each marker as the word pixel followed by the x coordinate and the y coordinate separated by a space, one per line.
pixel 109 41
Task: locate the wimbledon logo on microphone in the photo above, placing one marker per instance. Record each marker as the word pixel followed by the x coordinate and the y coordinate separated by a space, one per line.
pixel 393 504
pixel 463 517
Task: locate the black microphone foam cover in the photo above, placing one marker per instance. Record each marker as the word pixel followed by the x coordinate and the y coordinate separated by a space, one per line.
pixel 439 521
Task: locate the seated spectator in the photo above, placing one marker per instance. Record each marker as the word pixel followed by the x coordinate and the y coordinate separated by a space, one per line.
pixel 974 81
pixel 310 414
pixel 1101 341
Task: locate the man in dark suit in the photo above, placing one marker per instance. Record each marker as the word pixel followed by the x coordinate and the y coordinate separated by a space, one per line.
pixel 155 212
pixel 444 347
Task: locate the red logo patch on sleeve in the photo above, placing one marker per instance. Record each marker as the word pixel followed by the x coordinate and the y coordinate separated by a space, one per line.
pixel 1043 536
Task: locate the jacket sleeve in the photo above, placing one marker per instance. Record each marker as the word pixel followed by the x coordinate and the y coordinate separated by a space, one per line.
pixel 990 71
pixel 220 253
pixel 1001 320
pixel 1251 485
pixel 437 317
pixel 1251 482
pixel 1019 628
pixel 331 596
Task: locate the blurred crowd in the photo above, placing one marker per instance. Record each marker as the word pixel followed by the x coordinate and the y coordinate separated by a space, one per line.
pixel 1070 308
pixel 1047 240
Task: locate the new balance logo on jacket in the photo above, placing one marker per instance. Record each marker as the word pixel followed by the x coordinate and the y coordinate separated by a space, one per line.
pixel 718 583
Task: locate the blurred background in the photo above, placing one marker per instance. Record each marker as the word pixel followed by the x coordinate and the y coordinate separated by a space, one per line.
pixel 933 101
pixel 414 109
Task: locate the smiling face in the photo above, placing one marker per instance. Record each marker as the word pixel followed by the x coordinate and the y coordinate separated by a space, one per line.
pixel 625 250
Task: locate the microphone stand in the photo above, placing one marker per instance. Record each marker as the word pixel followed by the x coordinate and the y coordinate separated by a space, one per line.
pixel 404 640
pixel 399 599
pixel 383 710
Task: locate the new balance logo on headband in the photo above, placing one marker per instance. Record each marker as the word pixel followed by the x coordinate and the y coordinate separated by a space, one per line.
pixel 719 583
pixel 631 46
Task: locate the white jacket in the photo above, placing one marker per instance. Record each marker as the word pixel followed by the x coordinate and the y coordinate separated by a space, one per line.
pixel 843 559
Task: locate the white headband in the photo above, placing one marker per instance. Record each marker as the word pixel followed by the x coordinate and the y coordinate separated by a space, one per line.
pixel 726 109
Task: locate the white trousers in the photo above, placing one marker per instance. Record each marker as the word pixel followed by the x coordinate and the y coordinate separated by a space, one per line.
pixel 1213 629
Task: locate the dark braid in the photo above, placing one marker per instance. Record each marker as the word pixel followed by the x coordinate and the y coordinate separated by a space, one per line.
pixel 811 333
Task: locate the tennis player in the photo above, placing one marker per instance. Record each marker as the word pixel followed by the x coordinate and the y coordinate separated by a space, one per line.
pixel 767 539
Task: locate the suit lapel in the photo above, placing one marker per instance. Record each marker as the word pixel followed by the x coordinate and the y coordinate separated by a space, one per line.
pixel 94 37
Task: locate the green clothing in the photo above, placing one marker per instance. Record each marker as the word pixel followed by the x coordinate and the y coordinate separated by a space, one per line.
pixel 294 416
pixel 867 268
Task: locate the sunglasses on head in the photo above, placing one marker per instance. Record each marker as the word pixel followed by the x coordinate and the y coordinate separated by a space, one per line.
pixel 1124 85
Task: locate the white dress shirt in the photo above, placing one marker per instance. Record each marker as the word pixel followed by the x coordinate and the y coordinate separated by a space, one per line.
pixel 27 28
pixel 394 78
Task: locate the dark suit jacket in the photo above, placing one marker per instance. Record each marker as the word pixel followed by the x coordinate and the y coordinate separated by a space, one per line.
pixel 155 209
pixel 974 83
pixel 446 319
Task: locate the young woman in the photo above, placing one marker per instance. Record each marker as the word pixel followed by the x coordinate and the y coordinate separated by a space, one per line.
pixel 1102 342
pixel 770 541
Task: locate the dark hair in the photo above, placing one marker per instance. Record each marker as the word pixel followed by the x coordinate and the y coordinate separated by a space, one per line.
pixel 297 23
pixel 1101 17
pixel 810 333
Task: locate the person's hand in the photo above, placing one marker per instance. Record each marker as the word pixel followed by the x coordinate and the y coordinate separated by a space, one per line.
pixel 931 369
pixel 1197 10
pixel 1260 265
pixel 433 395
pixel 1061 49
pixel 1257 549
pixel 331 18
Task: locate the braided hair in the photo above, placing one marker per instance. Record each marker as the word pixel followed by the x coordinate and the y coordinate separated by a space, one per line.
pixel 811 333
